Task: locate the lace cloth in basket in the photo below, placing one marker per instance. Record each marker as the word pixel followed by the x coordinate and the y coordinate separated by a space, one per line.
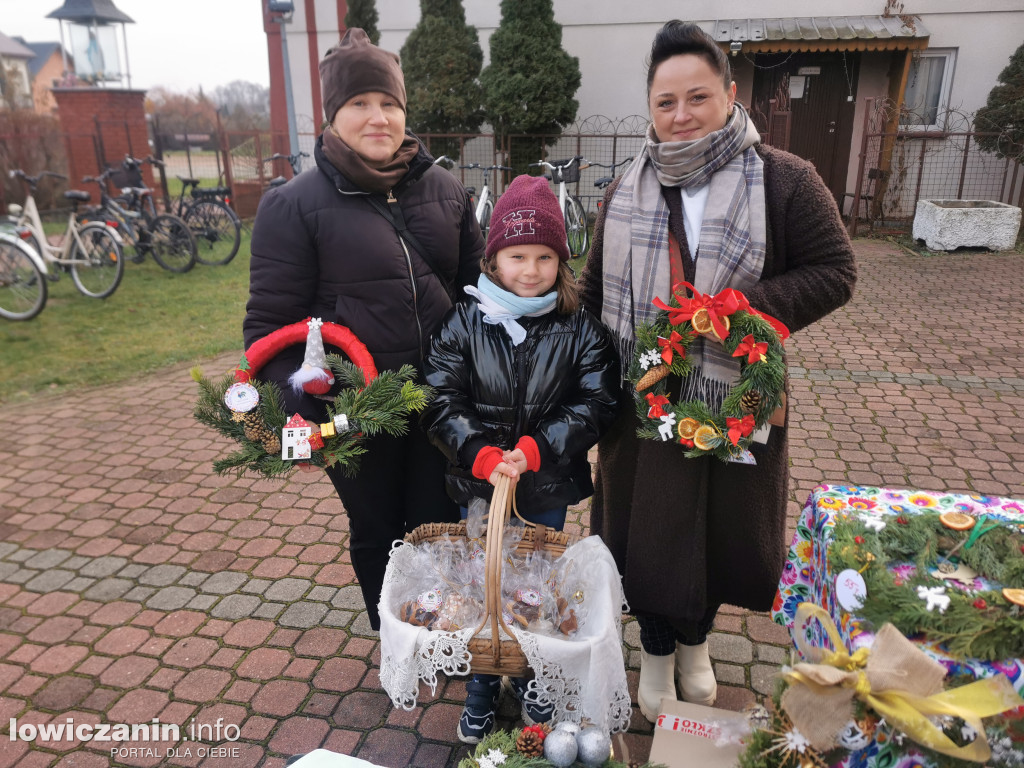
pixel 583 677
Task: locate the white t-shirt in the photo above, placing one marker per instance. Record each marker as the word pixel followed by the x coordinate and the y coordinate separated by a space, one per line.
pixel 694 201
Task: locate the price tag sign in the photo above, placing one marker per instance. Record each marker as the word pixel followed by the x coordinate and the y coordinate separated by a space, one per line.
pixel 850 590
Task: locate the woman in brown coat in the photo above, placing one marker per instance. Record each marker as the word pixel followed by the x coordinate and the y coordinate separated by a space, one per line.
pixel 704 202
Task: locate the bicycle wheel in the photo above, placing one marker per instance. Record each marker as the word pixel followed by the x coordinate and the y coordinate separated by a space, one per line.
pixel 217 231
pixel 96 271
pixel 9 224
pixel 22 283
pixel 576 233
pixel 173 246
pixel 485 218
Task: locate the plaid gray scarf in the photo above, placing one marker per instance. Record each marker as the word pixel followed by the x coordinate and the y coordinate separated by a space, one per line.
pixel 733 239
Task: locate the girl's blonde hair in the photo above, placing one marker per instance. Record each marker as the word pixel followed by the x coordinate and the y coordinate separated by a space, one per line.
pixel 565 283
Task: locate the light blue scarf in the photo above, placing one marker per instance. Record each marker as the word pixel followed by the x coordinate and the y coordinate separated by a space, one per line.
pixel 501 307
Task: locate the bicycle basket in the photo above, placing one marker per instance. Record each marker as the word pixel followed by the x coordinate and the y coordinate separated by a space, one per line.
pixel 127 177
pixel 568 175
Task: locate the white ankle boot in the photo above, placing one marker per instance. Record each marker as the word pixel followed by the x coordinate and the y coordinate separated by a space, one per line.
pixel 695 674
pixel 656 683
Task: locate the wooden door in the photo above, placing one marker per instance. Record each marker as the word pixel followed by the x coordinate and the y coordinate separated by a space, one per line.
pixel 822 97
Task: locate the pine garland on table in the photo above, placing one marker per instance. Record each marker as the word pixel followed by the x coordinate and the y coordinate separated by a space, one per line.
pixel 981 624
pixel 779 744
pixel 381 406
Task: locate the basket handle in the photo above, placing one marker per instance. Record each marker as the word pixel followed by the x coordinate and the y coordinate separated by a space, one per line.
pixel 501 501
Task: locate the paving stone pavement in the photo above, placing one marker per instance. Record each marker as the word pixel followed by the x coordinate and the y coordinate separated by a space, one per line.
pixel 136 584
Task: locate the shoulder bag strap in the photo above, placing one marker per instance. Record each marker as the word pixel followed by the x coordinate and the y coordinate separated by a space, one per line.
pixel 393 213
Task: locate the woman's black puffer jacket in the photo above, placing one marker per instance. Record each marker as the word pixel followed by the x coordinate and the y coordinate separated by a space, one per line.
pixel 320 249
pixel 559 386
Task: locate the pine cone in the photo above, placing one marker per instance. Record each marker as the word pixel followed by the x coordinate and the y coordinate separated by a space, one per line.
pixel 751 400
pixel 258 432
pixel 530 744
pixel 652 377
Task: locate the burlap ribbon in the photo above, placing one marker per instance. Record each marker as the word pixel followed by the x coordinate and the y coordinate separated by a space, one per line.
pixel 896 680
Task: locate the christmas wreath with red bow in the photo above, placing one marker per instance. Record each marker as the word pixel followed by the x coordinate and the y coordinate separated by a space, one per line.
pixel 272 441
pixel 661 351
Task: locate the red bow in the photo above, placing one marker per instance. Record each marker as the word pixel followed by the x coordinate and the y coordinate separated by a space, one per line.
pixel 670 345
pixel 721 305
pixel 755 352
pixel 656 401
pixel 739 427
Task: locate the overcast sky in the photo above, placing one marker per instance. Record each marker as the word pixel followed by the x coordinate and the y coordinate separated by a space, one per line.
pixel 179 44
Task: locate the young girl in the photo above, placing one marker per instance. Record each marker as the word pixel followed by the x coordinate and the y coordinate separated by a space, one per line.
pixel 526 382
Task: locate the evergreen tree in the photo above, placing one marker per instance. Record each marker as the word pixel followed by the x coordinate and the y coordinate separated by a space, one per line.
pixel 1004 112
pixel 363 14
pixel 441 60
pixel 530 83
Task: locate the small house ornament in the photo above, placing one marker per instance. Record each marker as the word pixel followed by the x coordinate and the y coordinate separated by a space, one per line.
pixel 295 439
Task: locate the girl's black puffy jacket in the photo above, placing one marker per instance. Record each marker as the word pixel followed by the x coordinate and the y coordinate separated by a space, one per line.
pixel 560 386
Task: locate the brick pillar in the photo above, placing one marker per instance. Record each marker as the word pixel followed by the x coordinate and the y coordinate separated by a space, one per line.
pixel 107 120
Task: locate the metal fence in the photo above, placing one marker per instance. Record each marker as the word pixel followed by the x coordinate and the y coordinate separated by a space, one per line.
pixel 897 169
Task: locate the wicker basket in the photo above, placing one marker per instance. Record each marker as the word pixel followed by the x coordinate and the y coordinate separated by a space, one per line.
pixel 494 655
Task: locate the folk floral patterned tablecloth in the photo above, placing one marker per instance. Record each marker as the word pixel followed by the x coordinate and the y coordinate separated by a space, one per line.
pixel 808 578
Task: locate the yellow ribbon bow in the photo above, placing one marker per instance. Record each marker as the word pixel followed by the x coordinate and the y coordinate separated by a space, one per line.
pixel 895 679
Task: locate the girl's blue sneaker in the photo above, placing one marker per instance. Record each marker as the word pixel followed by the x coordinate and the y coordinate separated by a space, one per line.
pixel 536 708
pixel 482 695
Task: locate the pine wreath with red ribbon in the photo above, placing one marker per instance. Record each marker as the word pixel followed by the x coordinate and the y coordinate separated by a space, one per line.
pixel 753 338
pixel 369 402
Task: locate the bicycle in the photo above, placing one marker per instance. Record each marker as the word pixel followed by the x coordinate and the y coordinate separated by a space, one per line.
pixel 485 201
pixel 568 172
pixel 166 236
pixel 295 161
pixel 22 279
pixel 604 181
pixel 91 251
pixel 215 226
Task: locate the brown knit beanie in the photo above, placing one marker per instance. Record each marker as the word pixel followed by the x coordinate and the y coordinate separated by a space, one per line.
pixel 527 213
pixel 354 66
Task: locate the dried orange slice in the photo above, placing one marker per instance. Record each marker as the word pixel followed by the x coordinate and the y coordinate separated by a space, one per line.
pixel 957 521
pixel 704 438
pixel 1015 596
pixel 701 322
pixel 688 428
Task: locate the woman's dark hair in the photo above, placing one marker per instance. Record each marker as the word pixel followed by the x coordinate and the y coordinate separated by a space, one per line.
pixel 565 283
pixel 679 37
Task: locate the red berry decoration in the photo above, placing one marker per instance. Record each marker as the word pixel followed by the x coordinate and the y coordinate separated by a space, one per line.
pixel 859 539
pixel 980 604
pixel 902 520
pixel 898 582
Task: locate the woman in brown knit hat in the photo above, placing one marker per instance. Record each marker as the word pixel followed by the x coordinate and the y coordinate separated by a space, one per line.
pixel 327 244
pixel 704 202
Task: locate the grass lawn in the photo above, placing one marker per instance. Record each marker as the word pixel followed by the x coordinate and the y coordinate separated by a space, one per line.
pixel 155 318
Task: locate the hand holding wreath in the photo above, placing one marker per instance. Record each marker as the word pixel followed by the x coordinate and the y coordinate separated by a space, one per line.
pixel 751 336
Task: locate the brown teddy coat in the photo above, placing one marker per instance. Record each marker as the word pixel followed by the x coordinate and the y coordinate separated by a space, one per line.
pixel 691 534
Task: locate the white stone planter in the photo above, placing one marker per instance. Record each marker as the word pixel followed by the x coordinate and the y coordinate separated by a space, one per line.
pixel 945 225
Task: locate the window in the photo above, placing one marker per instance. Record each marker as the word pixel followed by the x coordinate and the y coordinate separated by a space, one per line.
pixel 928 87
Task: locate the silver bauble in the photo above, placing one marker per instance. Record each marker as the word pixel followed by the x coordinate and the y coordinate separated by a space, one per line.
pixel 568 725
pixel 595 747
pixel 560 748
